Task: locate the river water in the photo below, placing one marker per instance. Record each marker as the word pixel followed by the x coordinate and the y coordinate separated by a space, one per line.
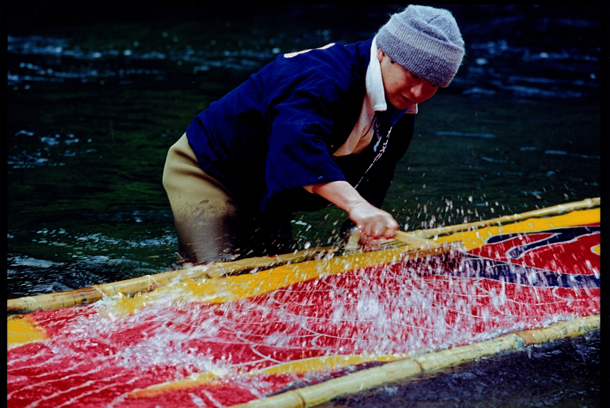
pixel 97 94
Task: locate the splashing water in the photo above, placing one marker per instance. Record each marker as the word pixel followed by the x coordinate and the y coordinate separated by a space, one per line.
pixel 397 308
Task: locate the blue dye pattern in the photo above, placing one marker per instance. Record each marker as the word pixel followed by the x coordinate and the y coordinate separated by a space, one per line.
pixel 479 267
pixel 559 235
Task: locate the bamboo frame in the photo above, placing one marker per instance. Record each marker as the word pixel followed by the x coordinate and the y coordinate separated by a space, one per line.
pixel 365 379
pixel 409 367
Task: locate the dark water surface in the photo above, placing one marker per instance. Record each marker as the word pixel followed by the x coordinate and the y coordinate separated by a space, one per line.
pixel 97 94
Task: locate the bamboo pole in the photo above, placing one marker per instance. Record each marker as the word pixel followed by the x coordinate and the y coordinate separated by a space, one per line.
pixel 147 283
pixel 561 330
pixel 409 367
pixel 91 294
pixel 543 212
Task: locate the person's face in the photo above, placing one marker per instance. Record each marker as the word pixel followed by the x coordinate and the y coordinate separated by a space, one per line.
pixel 402 88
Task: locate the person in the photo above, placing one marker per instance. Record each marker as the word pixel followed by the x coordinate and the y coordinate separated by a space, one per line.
pixel 311 129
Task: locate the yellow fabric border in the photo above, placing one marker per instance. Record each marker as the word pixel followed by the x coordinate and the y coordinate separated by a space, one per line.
pixel 22 330
pixel 477 237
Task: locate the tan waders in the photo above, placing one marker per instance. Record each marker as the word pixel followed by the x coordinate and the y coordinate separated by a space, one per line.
pixel 210 224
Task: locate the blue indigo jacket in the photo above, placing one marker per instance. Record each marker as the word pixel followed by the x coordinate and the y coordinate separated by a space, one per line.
pixel 277 132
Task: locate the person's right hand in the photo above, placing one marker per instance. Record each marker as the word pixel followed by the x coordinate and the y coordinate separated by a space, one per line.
pixel 371 221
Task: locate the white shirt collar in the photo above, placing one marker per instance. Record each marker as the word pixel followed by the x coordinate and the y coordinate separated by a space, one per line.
pixel 374 84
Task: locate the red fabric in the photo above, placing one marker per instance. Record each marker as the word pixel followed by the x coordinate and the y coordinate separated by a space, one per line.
pixel 94 359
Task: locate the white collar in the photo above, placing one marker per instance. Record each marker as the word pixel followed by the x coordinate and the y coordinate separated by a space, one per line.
pixel 374 84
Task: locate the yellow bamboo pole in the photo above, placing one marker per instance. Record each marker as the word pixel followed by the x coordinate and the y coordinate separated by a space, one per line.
pixel 561 330
pixel 147 283
pixel 409 367
pixel 543 212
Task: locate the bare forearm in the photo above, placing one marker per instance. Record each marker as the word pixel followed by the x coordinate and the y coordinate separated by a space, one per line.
pixel 340 193
pixel 371 221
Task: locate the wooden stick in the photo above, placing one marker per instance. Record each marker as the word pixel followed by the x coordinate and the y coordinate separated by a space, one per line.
pixel 543 212
pixel 401 238
pixel 414 240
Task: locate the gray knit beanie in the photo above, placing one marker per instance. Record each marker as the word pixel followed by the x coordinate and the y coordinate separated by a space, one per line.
pixel 426 41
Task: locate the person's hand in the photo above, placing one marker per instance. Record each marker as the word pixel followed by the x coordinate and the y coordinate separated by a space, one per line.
pixel 372 222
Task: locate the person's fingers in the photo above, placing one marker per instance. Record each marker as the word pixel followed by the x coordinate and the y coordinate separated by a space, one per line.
pixel 373 222
pixel 391 231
